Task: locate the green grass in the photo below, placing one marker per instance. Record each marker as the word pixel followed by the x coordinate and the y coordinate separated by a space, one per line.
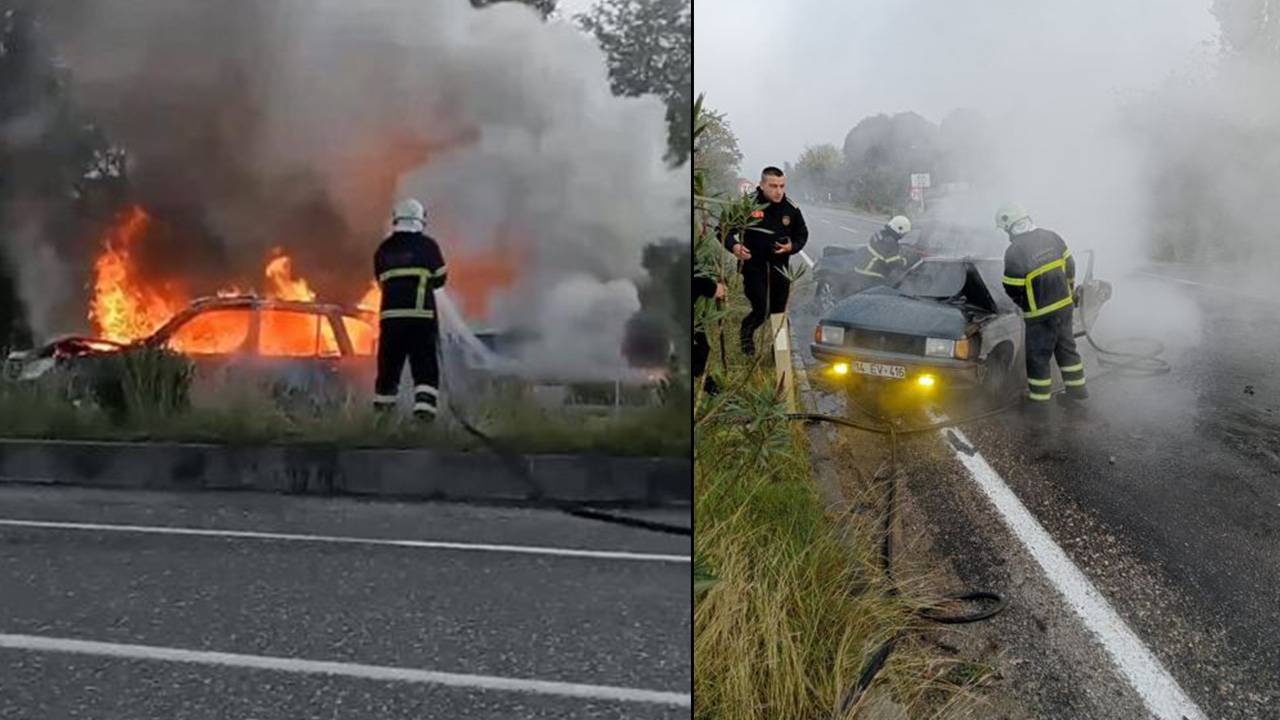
pixel 790 601
pixel 152 399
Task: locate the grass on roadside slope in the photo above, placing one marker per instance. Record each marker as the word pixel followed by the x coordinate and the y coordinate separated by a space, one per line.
pixel 244 416
pixel 791 602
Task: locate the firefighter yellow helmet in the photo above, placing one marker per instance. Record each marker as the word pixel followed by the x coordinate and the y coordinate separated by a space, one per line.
pixel 900 225
pixel 1009 215
pixel 409 215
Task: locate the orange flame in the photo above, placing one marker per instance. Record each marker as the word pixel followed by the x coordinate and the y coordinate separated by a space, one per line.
pixel 284 287
pixel 123 309
pixel 372 300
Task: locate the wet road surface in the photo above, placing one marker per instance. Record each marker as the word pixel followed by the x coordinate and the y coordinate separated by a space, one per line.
pixel 489 631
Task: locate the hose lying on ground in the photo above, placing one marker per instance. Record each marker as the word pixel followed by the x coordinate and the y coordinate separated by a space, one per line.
pixel 997 603
pixel 576 509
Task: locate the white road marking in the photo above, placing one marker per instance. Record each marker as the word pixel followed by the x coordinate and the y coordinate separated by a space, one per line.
pixel 354 670
pixel 825 220
pixel 1220 288
pixel 855 232
pixel 1177 280
pixel 288 537
pixel 1161 694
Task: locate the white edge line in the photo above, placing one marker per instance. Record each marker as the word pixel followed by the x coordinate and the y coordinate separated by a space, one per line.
pixel 847 229
pixel 1176 279
pixel 825 220
pixel 355 670
pixel 286 537
pixel 1160 693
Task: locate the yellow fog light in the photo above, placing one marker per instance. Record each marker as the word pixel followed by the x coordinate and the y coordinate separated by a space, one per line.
pixel 926 381
pixel 840 369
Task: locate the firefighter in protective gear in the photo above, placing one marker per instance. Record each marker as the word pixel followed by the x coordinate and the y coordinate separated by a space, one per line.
pixel 1040 276
pixel 765 250
pixel 409 268
pixel 883 258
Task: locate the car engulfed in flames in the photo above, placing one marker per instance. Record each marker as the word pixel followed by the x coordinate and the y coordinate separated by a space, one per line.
pixel 281 335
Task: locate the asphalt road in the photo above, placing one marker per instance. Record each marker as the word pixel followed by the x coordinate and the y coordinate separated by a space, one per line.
pixel 598 625
pixel 828 226
pixel 1166 494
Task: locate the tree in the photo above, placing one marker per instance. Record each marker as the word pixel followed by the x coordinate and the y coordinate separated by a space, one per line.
pixel 545 7
pixel 881 152
pixel 718 153
pixel 54 164
pixel 649 47
pixel 815 170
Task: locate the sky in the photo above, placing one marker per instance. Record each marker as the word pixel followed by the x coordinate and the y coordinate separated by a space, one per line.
pixel 801 72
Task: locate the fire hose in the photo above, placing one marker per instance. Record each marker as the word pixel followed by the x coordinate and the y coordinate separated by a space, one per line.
pixel 519 468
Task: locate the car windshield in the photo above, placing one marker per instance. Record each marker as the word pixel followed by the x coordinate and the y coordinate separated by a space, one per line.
pixel 934 279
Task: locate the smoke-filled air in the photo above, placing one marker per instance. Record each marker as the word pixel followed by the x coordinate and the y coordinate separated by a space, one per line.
pixel 259 129
pixel 1144 131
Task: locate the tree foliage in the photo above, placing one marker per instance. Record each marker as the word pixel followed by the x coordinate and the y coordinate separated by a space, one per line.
pixel 881 152
pixel 816 171
pixel 544 7
pixel 58 172
pixel 718 155
pixel 649 47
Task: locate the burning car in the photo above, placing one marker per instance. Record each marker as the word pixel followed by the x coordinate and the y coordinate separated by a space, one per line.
pixel 947 323
pixel 304 345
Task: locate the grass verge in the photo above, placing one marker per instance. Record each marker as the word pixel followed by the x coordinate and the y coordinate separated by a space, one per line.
pixel 152 399
pixel 790 601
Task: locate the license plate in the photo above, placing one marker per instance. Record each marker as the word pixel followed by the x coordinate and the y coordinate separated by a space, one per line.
pixel 897 372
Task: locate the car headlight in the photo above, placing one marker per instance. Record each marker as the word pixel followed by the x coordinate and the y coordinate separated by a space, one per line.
pixel 830 335
pixel 936 347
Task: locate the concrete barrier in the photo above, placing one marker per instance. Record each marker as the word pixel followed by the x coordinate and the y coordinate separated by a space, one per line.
pixel 331 470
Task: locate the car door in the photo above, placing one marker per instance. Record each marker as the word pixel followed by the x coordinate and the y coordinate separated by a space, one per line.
pixel 1092 294
pixel 217 340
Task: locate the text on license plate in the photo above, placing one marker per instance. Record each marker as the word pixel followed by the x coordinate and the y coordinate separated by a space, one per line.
pixel 889 371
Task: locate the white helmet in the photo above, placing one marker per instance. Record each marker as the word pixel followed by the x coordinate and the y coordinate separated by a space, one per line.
pixel 409 215
pixel 899 224
pixel 1009 215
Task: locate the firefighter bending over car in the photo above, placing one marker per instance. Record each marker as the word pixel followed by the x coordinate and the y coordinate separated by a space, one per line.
pixel 1040 276
pixel 409 268
pixel 883 260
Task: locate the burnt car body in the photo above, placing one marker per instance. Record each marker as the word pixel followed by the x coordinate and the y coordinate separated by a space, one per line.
pixel 946 323
pixel 296 345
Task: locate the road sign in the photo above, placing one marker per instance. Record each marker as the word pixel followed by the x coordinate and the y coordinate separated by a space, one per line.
pixel 919 180
pixel 916 193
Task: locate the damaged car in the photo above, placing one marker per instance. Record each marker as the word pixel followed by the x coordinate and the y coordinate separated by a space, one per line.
pixel 302 346
pixel 945 324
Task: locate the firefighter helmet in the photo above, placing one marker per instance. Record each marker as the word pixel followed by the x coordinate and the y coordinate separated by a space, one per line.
pixel 1009 215
pixel 409 215
pixel 899 224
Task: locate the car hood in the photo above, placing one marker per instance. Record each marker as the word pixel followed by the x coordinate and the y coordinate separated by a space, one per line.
pixel 887 309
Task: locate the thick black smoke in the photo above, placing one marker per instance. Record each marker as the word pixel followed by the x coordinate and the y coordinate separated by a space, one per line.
pixel 296 123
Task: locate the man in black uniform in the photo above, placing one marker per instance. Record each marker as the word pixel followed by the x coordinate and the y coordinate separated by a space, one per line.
pixel 1040 276
pixel 409 268
pixel 764 250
